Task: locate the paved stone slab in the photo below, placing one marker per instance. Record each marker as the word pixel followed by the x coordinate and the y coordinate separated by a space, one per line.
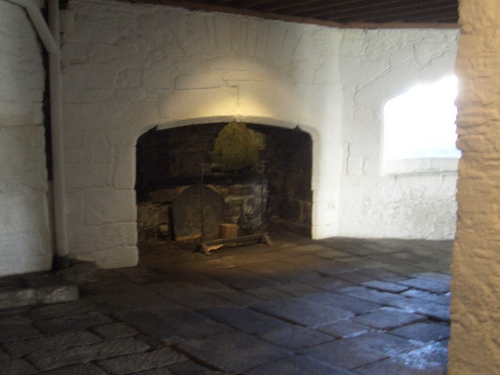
pixel 237 297
pixel 297 289
pixel 72 323
pixel 114 331
pixel 332 254
pixel 267 294
pixel 428 308
pixel 303 312
pixel 233 352
pixel 245 320
pixel 16 367
pixel 371 295
pixel 442 299
pixel 282 272
pixel 361 350
pixel 385 286
pixel 298 365
pixel 13 331
pixel 134 301
pixel 190 368
pixel 296 337
pixel 355 305
pixel 197 299
pixel 426 284
pixel 57 342
pixel 172 327
pixel 86 369
pixel 344 329
pixel 331 268
pixel 242 280
pixel 383 274
pixel 3 355
pixel 330 283
pixel 428 360
pixel 141 361
pixel 387 318
pixel 355 277
pixel 302 260
pixel 408 270
pixel 436 276
pixel 54 359
pixel 423 332
pixel 61 309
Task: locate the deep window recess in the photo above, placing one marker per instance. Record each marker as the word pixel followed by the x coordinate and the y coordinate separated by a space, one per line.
pixel 420 131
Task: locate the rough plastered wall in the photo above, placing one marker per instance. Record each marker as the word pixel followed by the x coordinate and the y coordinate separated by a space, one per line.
pixel 475 288
pixel 130 67
pixel 24 225
pixel 376 66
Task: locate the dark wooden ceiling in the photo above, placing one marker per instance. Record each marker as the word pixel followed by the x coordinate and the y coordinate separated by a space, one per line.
pixel 335 12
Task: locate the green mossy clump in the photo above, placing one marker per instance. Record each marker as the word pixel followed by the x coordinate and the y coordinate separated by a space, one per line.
pixel 237 147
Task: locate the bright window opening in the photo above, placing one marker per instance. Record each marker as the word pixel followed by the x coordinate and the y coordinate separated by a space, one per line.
pixel 420 130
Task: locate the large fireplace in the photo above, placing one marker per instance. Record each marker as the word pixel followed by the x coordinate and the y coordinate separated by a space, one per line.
pixel 252 175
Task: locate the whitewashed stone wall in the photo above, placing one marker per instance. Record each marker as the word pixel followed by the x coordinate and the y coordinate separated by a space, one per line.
pixel 376 66
pixel 24 225
pixel 475 319
pixel 130 67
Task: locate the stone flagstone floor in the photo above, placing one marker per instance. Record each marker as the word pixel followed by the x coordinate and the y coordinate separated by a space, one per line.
pixel 337 306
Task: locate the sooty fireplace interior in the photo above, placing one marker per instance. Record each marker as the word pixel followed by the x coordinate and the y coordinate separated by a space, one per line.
pixel 252 175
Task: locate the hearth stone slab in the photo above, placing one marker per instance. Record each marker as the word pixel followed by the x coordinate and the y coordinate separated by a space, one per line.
pixel 303 312
pixel 298 365
pixel 173 327
pixel 296 337
pixel 423 332
pixel 361 350
pixel 355 305
pixel 245 320
pixel 233 352
pixel 387 318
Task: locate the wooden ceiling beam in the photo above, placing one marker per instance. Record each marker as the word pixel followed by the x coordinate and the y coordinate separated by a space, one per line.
pixel 203 6
pixel 284 5
pixel 401 11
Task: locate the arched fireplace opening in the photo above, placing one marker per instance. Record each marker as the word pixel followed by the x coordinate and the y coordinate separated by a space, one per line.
pixel 262 177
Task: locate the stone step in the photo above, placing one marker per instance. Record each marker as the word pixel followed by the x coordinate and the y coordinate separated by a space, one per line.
pixel 34 289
